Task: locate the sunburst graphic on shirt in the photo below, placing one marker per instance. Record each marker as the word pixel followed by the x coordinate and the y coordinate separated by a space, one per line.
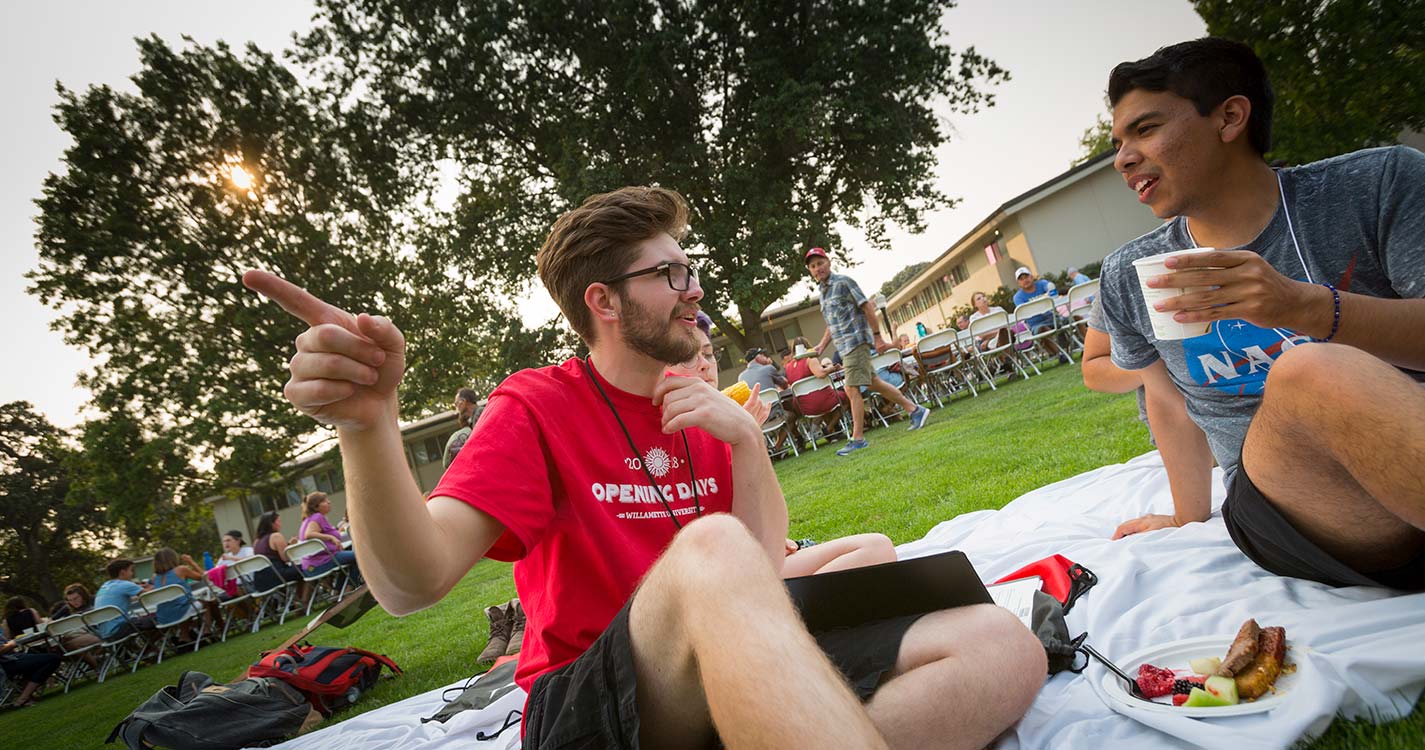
pixel 658 462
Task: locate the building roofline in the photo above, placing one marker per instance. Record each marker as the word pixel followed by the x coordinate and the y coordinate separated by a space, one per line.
pixel 1004 211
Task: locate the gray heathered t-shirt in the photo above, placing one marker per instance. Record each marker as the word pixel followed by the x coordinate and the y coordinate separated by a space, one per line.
pixel 759 373
pixel 1360 221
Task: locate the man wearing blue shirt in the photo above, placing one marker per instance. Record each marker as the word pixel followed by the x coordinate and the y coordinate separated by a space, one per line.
pixel 1030 288
pixel 118 591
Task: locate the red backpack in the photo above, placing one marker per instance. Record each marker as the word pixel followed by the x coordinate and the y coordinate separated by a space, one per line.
pixel 331 678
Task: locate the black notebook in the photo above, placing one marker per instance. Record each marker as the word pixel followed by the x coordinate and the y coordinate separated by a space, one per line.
pixel 847 598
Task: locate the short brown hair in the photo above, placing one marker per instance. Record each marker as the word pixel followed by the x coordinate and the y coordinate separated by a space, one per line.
pixel 164 560
pixel 598 240
pixel 118 565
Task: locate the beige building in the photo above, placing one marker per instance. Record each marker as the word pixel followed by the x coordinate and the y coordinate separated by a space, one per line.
pixel 1076 218
pixel 780 327
pixel 424 441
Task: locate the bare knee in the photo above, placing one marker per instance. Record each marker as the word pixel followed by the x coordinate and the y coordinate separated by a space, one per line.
pixel 1310 370
pixel 713 551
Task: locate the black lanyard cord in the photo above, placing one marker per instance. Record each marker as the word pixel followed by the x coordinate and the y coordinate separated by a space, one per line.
pixel 687 451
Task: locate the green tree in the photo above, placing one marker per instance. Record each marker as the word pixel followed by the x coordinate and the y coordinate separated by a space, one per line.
pixel 219 162
pixel 47 539
pixel 1097 138
pixel 138 479
pixel 776 121
pixel 902 276
pixel 1347 73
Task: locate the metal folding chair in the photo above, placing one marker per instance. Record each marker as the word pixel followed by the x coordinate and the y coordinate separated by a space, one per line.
pixel 298 553
pixel 119 645
pixel 74 664
pixel 941 360
pixel 810 422
pixel 172 593
pixel 262 589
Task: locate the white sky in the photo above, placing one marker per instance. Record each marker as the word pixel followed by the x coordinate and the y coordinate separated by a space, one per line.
pixel 1058 53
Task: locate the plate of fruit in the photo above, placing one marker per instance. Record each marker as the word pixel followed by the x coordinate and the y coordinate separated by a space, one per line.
pixel 1210 676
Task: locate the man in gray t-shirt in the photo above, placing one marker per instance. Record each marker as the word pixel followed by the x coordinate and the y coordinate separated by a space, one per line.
pixel 1323 446
pixel 760 370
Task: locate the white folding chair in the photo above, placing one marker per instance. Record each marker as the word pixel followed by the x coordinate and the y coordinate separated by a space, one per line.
pixel 940 358
pixel 1036 307
pixel 74 664
pixel 227 605
pixel 298 554
pixel 810 423
pixel 877 403
pixel 118 646
pixel 1080 298
pixel 267 589
pixel 985 324
pixel 174 592
pixel 777 423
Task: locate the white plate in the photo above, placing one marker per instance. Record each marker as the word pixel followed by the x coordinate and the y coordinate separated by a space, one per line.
pixel 1175 656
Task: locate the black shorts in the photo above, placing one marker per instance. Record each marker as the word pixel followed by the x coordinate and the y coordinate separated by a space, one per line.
pixel 1265 536
pixel 592 701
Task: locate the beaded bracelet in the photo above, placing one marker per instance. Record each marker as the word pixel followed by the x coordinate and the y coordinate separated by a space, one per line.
pixel 1336 315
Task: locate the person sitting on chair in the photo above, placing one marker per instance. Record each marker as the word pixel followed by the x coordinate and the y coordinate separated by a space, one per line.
pixel 315 525
pixel 119 591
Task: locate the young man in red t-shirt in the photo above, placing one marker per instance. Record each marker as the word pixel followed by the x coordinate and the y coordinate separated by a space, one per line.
pixel 646 524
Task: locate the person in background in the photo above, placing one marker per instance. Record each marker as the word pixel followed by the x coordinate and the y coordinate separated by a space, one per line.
pixel 119 592
pixel 1077 278
pixel 1032 287
pixel 831 401
pixel 34 668
pixel 169 569
pixel 19 617
pixel 851 321
pixel 761 371
pixel 467 411
pixel 272 545
pixel 76 600
pixel 316 526
pixel 234 549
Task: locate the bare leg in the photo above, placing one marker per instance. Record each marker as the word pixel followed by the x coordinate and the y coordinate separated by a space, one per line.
pixel 892 394
pixel 858 410
pixel 847 552
pixel 1338 446
pixel 963 676
pixel 713 632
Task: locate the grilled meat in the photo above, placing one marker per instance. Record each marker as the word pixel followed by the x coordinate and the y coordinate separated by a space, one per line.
pixel 1257 677
pixel 1243 649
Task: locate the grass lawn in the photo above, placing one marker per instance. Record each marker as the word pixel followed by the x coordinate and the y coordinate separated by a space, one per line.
pixel 976 454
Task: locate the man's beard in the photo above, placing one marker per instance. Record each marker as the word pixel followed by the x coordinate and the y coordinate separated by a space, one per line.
pixel 648 335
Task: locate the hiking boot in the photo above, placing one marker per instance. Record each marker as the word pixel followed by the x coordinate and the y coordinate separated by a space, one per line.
pixel 516 614
pixel 852 446
pixel 500 626
pixel 919 417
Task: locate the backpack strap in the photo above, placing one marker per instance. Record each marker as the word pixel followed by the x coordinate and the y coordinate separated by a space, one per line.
pixel 131 732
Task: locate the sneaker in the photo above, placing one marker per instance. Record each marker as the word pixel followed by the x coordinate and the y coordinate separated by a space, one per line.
pixel 1064 358
pixel 919 417
pixel 853 445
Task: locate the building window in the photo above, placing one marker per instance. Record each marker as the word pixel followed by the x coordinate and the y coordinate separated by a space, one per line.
pixel 324 482
pixel 992 252
pixel 959 274
pixel 307 484
pixel 254 505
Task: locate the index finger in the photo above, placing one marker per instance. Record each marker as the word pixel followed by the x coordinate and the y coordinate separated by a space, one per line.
pixel 672 382
pixel 297 301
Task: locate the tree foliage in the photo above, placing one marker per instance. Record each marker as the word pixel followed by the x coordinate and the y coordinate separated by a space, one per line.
pixel 902 276
pixel 1097 138
pixel 47 538
pixel 778 122
pixel 1347 73
pixel 145 233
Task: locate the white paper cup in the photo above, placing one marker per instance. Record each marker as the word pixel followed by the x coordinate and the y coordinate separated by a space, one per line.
pixel 1164 327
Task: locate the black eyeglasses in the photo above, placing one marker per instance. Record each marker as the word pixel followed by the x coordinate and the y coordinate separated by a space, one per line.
pixel 680 275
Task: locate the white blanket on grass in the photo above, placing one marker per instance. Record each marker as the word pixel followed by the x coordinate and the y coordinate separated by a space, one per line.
pixel 1357 649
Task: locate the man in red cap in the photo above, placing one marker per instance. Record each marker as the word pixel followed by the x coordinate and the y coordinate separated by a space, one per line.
pixel 848 315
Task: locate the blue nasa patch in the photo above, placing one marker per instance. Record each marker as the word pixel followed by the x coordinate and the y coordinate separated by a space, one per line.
pixel 1234 356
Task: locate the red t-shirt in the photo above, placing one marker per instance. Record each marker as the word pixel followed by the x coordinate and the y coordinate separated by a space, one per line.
pixel 583 525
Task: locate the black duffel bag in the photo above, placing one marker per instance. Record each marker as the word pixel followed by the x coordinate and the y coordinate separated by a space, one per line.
pixel 196 714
